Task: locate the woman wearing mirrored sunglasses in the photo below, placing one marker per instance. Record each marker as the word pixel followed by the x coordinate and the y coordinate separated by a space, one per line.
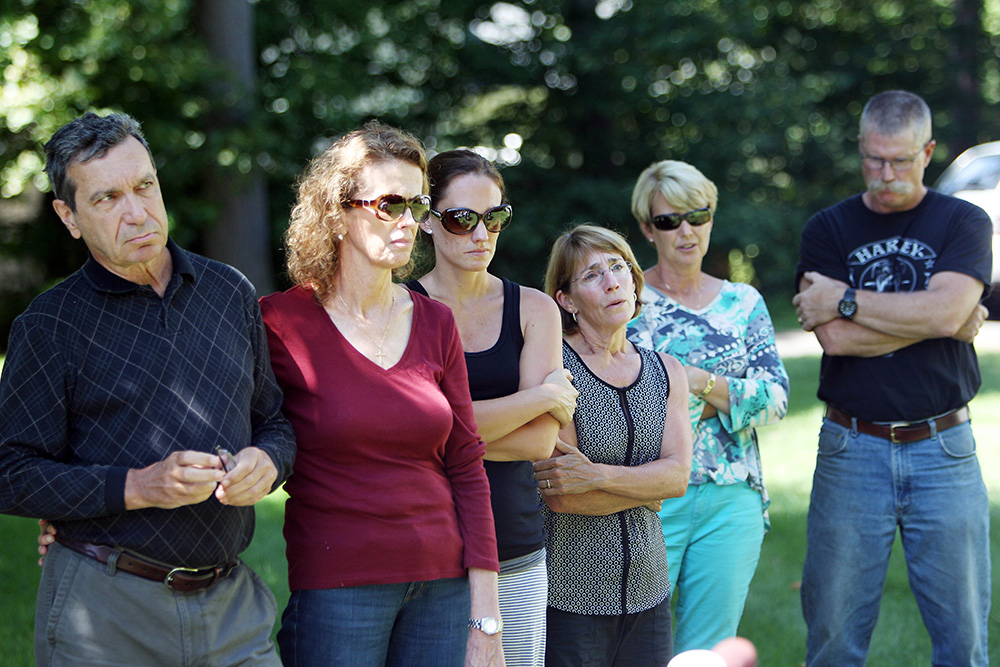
pixel 521 395
pixel 390 541
pixel 722 333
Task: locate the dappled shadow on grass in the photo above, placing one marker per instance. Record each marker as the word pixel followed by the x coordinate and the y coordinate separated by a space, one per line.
pixel 989 368
pixel 773 615
pixel 772 618
pixel 803 380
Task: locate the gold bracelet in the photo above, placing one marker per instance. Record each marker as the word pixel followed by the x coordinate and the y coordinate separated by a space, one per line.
pixel 709 386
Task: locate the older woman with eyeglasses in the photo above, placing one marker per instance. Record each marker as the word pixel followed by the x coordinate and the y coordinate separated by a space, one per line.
pixel 628 448
pixel 722 333
pixel 388 522
pixel 521 395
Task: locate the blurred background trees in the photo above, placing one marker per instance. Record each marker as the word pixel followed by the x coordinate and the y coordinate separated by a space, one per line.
pixel 572 97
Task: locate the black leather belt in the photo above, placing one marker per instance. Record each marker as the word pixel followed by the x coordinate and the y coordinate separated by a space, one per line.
pixel 181 579
pixel 901 431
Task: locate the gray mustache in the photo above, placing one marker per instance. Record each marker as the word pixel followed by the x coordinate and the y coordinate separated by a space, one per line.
pixel 895 187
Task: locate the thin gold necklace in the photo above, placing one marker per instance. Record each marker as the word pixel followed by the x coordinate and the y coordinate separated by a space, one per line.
pixel 392 309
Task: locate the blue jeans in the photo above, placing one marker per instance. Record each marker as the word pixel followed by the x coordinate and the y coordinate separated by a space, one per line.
pixel 713 535
pixel 864 488
pixel 419 624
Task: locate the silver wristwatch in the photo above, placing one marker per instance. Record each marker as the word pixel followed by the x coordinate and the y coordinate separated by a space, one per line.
pixel 489 625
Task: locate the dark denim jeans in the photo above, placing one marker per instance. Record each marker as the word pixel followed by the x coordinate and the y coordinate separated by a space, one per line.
pixel 419 624
pixel 932 491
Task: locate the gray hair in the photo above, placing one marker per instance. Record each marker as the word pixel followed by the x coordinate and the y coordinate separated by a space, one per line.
pixel 895 112
pixel 89 136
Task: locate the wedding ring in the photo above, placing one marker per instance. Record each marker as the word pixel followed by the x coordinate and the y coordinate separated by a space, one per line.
pixel 548 484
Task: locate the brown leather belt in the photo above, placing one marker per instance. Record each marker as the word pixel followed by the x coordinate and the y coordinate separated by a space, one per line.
pixel 901 431
pixel 181 579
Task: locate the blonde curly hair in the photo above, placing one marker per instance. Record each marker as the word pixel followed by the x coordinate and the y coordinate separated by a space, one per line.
pixel 316 225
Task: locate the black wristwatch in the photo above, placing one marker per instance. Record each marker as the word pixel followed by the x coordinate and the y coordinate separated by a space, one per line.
pixel 848 306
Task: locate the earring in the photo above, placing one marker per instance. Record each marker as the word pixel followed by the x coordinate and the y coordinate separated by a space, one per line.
pixel 573 313
pixel 340 237
pixel 650 239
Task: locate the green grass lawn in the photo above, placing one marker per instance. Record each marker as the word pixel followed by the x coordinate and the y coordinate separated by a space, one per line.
pixel 772 619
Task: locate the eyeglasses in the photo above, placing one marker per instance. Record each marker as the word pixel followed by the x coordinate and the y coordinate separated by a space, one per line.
pixel 463 221
pixel 695 218
pixel 390 208
pixel 899 165
pixel 619 269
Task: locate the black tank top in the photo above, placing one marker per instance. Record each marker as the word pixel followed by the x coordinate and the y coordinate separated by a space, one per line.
pixel 494 373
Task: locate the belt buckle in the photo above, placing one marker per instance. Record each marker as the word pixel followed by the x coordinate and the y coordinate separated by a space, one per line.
pixel 169 579
pixel 892 430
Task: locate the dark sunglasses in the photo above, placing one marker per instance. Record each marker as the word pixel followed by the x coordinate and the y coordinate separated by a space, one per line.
pixel 695 218
pixel 464 220
pixel 390 208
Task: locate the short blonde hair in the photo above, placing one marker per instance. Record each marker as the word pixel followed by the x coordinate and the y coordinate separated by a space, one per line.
pixel 682 185
pixel 569 252
pixel 336 175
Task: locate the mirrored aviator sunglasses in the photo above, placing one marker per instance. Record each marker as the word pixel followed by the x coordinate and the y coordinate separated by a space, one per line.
pixel 390 208
pixel 695 218
pixel 463 221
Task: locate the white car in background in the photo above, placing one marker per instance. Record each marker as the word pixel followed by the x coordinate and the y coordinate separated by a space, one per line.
pixel 975 177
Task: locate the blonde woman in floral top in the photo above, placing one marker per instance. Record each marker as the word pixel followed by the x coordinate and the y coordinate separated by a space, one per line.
pixel 722 333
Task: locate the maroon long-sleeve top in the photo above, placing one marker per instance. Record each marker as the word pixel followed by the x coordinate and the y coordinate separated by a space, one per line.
pixel 388 484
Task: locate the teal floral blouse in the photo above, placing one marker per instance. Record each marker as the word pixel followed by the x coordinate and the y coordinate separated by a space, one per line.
pixel 732 337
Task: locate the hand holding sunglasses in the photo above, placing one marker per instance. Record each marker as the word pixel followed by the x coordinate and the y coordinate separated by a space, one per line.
pixel 463 221
pixel 390 208
pixel 669 221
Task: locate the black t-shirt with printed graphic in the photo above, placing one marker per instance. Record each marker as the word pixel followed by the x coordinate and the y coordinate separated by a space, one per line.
pixel 899 252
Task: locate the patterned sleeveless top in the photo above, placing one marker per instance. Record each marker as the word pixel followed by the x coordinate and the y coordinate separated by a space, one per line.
pixel 615 564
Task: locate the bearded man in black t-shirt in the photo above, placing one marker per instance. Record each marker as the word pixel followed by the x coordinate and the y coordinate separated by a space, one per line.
pixel 890 281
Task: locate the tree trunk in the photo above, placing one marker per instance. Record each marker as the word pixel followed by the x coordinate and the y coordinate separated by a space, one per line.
pixel 240 236
pixel 965 63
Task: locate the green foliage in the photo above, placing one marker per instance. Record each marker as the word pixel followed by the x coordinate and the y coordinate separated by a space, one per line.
pixel 60 59
pixel 573 97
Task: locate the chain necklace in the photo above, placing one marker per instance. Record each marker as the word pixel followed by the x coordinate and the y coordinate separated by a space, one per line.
pixel 379 354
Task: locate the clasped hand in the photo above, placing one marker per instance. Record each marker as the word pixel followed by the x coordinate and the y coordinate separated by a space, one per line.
pixel 970 329
pixel 563 395
pixel 818 298
pixel 190 477
pixel 187 478
pixel 568 472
